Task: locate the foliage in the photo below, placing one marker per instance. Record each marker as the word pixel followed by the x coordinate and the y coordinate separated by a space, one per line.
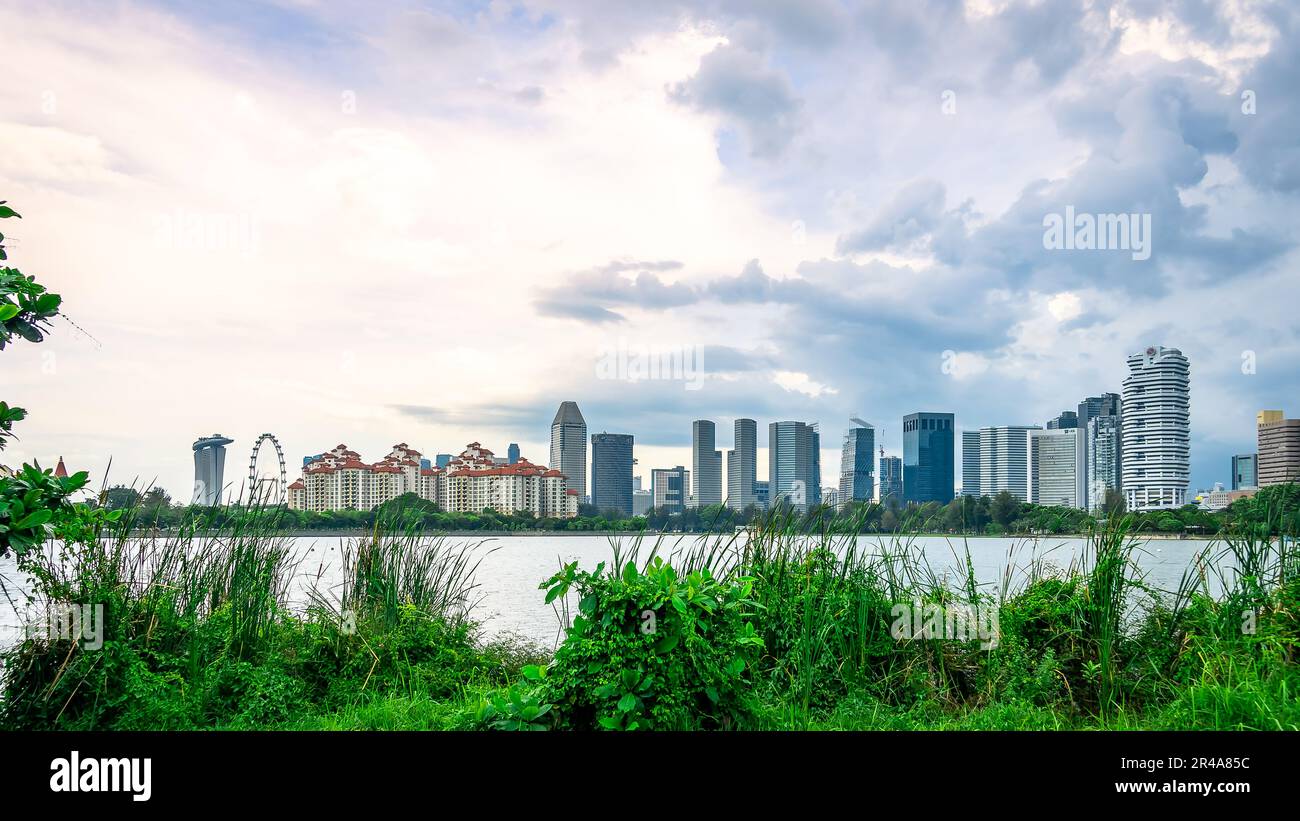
pixel 651 649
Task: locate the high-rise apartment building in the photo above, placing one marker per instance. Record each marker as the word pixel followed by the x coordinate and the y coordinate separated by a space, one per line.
pixel 209 469
pixel 929 450
pixel 611 472
pixel 858 455
pixel 1279 449
pixel 794 465
pixel 1156 411
pixel 1101 427
pixel 569 446
pixel 1103 449
pixel 1245 471
pixel 706 464
pixel 742 465
pixel 512 453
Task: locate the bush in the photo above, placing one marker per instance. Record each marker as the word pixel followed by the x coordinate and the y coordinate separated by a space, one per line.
pixel 652 650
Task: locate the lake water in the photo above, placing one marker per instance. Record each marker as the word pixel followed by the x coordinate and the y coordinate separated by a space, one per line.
pixel 512 567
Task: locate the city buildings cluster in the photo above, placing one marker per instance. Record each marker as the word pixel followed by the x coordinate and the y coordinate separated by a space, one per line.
pixel 1132 445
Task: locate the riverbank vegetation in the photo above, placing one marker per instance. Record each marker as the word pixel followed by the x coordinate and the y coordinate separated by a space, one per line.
pixel 786 628
pixel 1000 515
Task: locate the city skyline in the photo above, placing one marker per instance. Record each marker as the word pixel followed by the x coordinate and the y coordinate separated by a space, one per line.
pixel 825 253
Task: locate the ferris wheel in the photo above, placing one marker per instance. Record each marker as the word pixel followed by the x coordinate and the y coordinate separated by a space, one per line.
pixel 267 490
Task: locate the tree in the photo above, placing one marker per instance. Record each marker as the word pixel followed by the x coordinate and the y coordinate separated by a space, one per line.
pixel 33 502
pixel 1114 504
pixel 1004 509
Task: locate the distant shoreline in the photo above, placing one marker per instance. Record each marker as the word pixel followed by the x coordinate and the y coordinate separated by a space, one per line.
pixel 351 534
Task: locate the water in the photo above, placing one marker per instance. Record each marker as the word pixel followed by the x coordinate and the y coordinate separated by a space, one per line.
pixel 512 567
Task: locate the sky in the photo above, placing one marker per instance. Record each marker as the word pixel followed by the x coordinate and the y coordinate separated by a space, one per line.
pixel 431 223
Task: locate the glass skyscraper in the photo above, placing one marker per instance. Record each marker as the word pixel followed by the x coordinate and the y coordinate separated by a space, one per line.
pixel 611 472
pixel 1245 471
pixel 929 450
pixel 569 446
pixel 891 479
pixel 794 465
pixel 856 459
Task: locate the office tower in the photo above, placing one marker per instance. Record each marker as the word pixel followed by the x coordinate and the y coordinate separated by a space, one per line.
pixel 1067 419
pixel 1245 471
pixel 1093 406
pixel 1279 449
pixel 1102 455
pixel 569 446
pixel 1056 456
pixel 670 487
pixel 970 463
pixel 611 472
pixel 706 464
pixel 441 460
pixel 857 479
pixel 761 495
pixel 831 497
pixel 1156 411
pixel 929 451
pixel 1102 448
pixel 742 465
pixel 891 479
pixel 512 454
pixel 209 469
pixel 794 465
pixel 1005 460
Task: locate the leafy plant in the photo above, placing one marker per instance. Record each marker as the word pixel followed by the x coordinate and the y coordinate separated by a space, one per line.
pixel 651 649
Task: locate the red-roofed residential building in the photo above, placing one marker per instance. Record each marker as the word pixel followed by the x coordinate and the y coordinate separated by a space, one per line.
pixel 473 481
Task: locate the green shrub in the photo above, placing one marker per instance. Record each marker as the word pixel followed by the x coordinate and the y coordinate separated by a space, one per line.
pixel 652 650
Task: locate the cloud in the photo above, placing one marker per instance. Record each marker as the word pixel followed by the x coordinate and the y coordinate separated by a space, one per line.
pixel 737 83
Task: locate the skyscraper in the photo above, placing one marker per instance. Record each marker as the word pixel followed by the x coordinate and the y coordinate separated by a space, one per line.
pixel 1067 419
pixel 611 472
pixel 742 465
pixel 857 479
pixel 891 479
pixel 1245 471
pixel 1101 426
pixel 929 451
pixel 512 454
pixel 670 487
pixel 1156 411
pixel 706 464
pixel 1055 459
pixel 970 463
pixel 1279 449
pixel 569 446
pixel 1005 460
pixel 794 465
pixel 209 469
pixel 1103 451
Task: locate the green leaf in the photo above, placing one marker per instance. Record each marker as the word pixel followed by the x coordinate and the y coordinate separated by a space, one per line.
pixel 35 518
pixel 8 311
pixel 6 212
pixel 627 703
pixel 668 642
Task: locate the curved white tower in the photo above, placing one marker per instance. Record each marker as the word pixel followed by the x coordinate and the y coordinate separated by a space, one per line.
pixel 1156 429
